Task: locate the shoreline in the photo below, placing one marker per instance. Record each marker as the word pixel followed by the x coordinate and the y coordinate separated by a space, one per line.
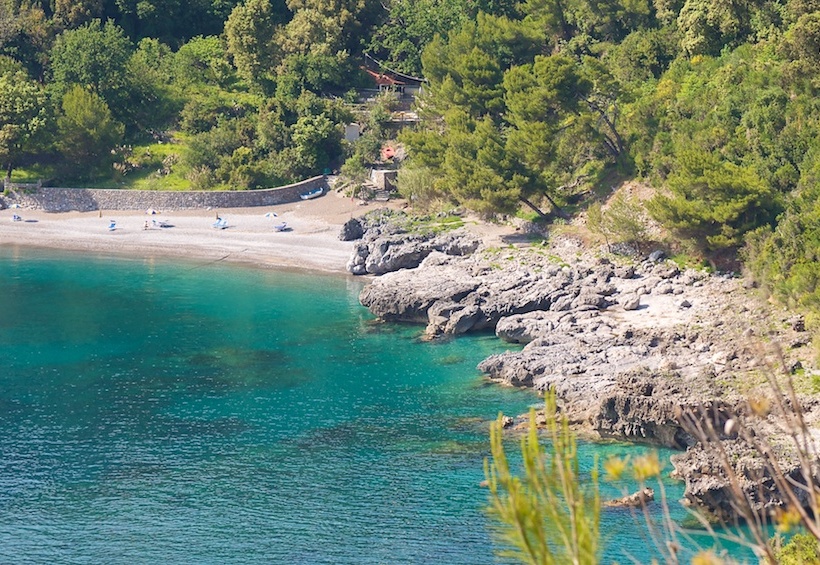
pixel 310 244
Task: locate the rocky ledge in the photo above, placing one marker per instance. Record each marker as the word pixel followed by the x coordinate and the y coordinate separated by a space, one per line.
pixel 639 351
pixel 386 244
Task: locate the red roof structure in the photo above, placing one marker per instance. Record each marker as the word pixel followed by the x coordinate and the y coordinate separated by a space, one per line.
pixel 383 79
pixel 388 152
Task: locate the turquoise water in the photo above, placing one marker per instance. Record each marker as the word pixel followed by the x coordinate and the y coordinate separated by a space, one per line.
pixel 153 411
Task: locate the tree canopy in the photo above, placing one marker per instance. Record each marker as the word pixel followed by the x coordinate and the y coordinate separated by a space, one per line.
pixel 534 103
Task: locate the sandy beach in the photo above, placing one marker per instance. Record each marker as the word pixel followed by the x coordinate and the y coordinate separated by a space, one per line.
pixel 310 243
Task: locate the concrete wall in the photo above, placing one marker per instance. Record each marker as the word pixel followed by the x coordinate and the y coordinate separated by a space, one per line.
pixel 88 199
pixel 384 179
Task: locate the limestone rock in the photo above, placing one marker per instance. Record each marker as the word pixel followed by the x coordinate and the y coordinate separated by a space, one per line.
pixel 524 328
pixel 351 230
pixel 634 500
pixel 632 302
pixel 657 256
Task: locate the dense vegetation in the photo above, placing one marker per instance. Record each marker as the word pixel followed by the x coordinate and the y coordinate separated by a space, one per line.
pixel 535 103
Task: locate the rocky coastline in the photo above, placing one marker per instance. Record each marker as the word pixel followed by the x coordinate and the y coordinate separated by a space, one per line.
pixel 636 349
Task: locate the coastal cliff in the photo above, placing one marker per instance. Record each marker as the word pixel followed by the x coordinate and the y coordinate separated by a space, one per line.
pixel 638 350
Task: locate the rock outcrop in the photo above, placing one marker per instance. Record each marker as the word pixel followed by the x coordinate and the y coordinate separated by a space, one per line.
pixel 634 500
pixel 632 351
pixel 387 245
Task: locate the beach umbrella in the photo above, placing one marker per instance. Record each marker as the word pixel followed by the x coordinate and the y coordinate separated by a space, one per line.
pixel 271 215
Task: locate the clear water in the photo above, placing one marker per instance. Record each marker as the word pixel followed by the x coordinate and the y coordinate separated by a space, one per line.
pixel 155 411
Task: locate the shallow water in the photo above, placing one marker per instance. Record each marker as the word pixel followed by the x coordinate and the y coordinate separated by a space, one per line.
pixel 199 413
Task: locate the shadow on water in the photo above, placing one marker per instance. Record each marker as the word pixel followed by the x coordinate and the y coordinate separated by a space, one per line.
pixel 452 360
pixel 231 368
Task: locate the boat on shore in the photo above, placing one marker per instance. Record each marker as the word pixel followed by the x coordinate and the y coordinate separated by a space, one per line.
pixel 315 193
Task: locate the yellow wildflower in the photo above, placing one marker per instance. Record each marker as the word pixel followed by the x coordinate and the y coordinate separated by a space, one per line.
pixel 787 520
pixel 614 467
pixel 706 558
pixel 646 466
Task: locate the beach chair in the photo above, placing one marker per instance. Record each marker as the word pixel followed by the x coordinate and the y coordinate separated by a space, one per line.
pixel 112 225
pixel 220 223
pixel 16 218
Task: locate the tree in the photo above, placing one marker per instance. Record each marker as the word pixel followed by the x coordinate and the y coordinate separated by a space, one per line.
pixel 550 138
pixel 153 100
pixel 410 25
pixel 339 25
pixel 87 131
pixel 72 13
pixel 202 60
pixel 786 259
pixel 317 140
pixel 599 20
pixel 172 21
pixel 466 70
pixel 803 40
pixel 475 171
pixel 707 26
pixel 713 203
pixel 8 23
pixel 23 113
pixel 26 33
pixel 94 56
pixel 252 31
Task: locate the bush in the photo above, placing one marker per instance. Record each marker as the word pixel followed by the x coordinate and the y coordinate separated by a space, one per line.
pixel 548 517
pixel 620 222
pixel 801 549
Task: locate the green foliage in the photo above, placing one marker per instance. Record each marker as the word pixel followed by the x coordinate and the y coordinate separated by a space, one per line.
pixel 251 30
pixel 801 549
pixel 202 61
pixel 23 114
pixel 410 25
pixel 621 222
pixel 94 56
pixel 417 184
pixel 714 203
pixel 87 131
pixel 549 516
pixel 786 259
pixel 171 21
pixel 591 19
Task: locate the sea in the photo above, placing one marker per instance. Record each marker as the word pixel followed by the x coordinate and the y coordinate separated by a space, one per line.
pixel 166 411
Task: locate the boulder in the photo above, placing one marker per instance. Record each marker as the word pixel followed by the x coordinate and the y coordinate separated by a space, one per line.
pixel 351 230
pixel 456 243
pixel 657 256
pixel 395 252
pixel 524 328
pixel 387 251
pixel 634 500
pixel 632 302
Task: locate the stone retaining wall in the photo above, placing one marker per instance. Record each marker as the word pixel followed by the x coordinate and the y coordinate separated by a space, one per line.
pixel 87 199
